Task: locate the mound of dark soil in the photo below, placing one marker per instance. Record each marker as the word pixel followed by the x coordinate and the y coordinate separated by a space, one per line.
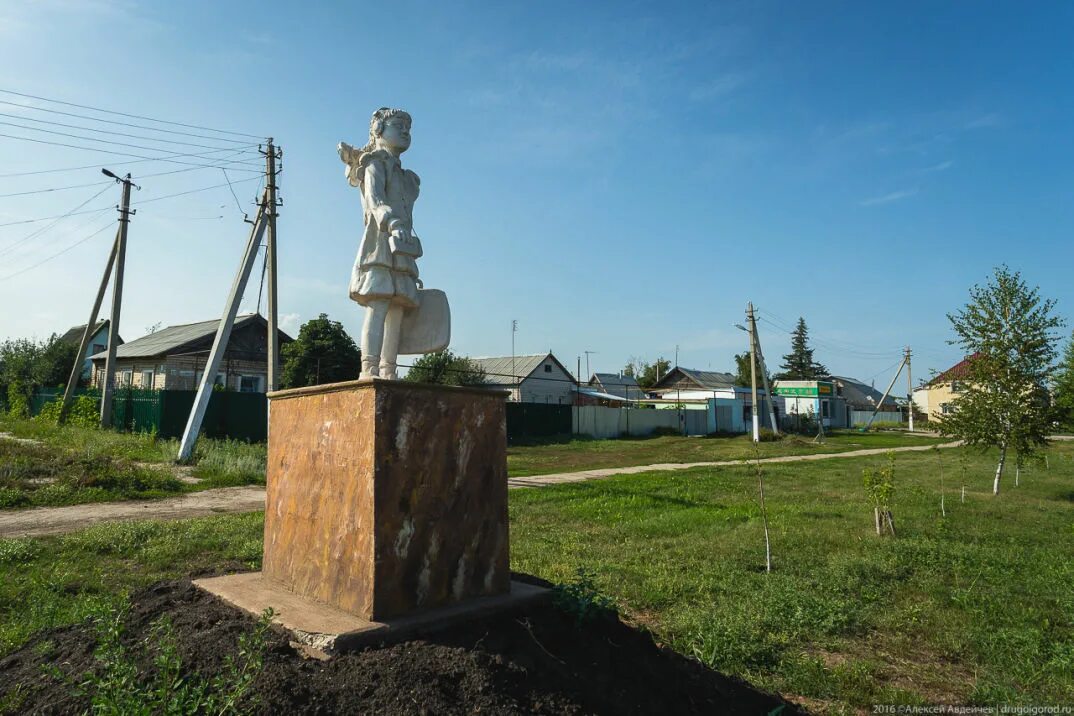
pixel 539 661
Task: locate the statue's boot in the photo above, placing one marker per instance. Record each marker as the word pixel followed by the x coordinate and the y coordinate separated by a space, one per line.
pixel 387 370
pixel 370 367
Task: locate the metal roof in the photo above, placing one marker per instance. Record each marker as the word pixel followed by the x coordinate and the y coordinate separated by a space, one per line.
pixel 858 394
pixel 598 394
pixel 169 340
pixel 614 379
pixel 74 334
pixel 499 371
pixel 705 379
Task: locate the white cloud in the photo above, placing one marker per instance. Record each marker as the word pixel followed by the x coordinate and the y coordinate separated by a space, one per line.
pixel 941 167
pixel 888 198
pixel 718 87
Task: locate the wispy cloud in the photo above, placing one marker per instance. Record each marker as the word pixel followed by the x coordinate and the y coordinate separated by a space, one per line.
pixel 941 167
pixel 888 198
pixel 985 121
pixel 718 87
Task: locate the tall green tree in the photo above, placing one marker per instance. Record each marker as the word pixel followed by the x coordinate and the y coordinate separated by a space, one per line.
pixel 799 363
pixel 446 368
pixel 742 371
pixel 1010 333
pixel 1063 387
pixel 323 353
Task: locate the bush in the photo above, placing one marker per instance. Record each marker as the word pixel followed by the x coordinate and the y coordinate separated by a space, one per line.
pixel 581 598
pixel 767 436
pixel 18 402
pixel 84 412
pixel 665 431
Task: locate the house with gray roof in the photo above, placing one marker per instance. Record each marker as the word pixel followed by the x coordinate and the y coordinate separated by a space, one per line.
pixel 174 358
pixel 97 343
pixel 534 378
pixel 687 383
pixel 617 384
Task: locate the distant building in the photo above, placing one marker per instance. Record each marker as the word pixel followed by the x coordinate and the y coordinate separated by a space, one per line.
pixel 617 384
pixel 937 397
pixel 689 384
pixel 730 406
pixel 537 378
pixel 97 343
pixel 174 358
pixel 813 398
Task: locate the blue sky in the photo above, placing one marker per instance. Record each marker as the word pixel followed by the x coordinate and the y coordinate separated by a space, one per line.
pixel 618 177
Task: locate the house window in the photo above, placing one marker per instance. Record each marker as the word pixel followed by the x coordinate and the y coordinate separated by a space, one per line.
pixel 250 384
pixel 825 409
pixel 147 378
pixel 98 348
pixel 125 377
pixel 548 368
pixel 947 408
pixel 956 386
pixel 221 380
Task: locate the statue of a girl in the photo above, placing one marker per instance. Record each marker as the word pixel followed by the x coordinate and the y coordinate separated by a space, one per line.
pixel 385 276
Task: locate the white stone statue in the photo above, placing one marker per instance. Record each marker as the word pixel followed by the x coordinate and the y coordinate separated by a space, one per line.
pixel 401 316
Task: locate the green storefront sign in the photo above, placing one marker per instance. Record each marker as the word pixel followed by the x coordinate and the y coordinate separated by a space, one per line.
pixel 806 391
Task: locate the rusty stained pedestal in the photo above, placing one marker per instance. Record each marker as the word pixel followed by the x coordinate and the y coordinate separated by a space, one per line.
pixel 386 497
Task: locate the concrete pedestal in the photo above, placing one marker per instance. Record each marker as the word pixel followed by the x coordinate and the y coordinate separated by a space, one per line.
pixel 386 497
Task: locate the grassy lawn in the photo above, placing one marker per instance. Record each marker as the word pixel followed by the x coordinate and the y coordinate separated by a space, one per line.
pixel 72 465
pixel 975 607
pixel 591 454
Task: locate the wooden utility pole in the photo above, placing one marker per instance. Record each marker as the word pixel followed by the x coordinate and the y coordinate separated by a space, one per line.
pixel 80 357
pixel 117 302
pixel 270 258
pixel 756 418
pixel 223 333
pixel 755 340
pixel 909 390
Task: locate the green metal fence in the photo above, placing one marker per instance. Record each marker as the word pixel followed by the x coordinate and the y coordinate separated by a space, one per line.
pixel 537 420
pixel 239 416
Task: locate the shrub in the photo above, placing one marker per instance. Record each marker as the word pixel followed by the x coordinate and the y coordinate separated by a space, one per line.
pixel 581 598
pixel 665 431
pixel 18 402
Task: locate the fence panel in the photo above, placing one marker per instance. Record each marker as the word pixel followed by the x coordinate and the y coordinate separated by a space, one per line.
pixel 861 417
pixel 537 420
pixel 239 416
pixel 604 423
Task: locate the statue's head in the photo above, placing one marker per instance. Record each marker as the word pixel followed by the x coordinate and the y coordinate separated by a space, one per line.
pixel 390 129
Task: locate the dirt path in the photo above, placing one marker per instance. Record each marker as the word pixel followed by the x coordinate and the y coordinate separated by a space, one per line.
pixel 58 520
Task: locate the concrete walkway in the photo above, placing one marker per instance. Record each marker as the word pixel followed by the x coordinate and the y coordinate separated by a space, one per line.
pixel 58 520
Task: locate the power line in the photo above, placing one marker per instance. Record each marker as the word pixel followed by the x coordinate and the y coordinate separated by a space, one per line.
pixel 102 141
pixel 192 191
pixel 46 218
pixel 121 154
pixel 235 152
pixel 132 116
pixel 237 203
pixel 117 123
pixel 58 253
pixel 105 131
pixel 55 188
pixel 56 220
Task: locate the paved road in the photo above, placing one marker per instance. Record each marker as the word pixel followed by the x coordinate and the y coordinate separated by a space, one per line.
pixel 58 520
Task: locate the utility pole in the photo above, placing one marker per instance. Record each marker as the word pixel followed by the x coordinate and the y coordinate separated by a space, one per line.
pixel 905 359
pixel 80 357
pixel 755 340
pixel 588 374
pixel 117 300
pixel 223 334
pixel 273 346
pixel 753 376
pixel 514 377
pixel 909 390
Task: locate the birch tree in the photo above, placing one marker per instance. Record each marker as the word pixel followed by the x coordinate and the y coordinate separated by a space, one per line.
pixel 1010 334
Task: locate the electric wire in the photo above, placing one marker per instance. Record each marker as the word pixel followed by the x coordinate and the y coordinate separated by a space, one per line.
pixel 104 131
pixel 150 159
pixel 4 250
pixel 238 205
pixel 191 191
pixel 55 188
pixel 58 253
pixel 126 145
pixel 170 160
pixel 132 116
pixel 830 344
pixel 117 123
pixel 46 218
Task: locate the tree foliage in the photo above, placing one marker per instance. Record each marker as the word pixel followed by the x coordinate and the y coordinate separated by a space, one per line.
pixel 647 374
pixel 446 368
pixel 742 372
pixel 323 353
pixel 799 363
pixel 1063 387
pixel 27 364
pixel 1009 332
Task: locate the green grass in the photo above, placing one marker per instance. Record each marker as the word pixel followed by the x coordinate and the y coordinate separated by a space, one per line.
pixel 977 607
pixel 73 465
pixel 591 454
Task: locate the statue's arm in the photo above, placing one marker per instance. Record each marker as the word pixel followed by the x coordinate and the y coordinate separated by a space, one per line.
pixel 376 199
